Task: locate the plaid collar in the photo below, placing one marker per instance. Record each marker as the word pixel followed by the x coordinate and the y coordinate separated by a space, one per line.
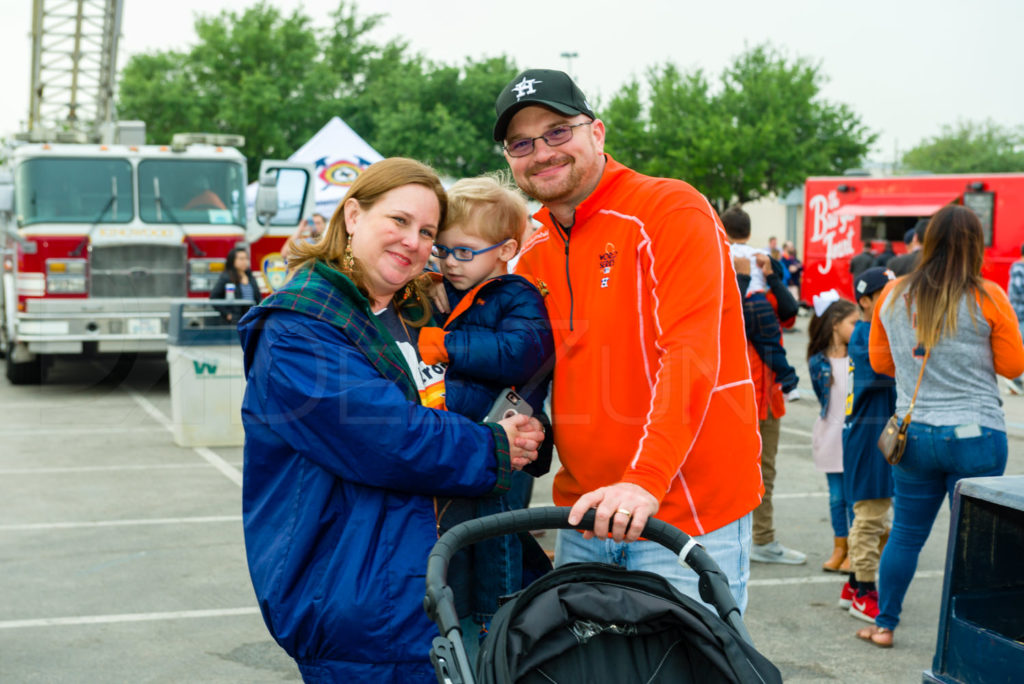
pixel 328 295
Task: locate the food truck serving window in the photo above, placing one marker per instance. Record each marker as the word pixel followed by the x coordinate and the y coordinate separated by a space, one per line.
pixel 889 217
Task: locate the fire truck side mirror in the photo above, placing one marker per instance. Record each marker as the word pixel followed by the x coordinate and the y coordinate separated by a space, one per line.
pixel 266 197
pixel 6 192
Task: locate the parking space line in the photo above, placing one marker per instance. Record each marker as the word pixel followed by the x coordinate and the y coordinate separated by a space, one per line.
pixel 119 523
pixel 231 472
pixel 795 431
pixel 65 430
pixel 828 579
pixel 95 469
pixel 127 617
pixel 228 470
pixel 800 495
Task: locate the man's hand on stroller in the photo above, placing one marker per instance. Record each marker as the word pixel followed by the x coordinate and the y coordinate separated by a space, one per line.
pixel 621 504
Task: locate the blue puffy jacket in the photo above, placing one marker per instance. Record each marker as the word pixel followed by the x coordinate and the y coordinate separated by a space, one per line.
pixel 501 340
pixel 866 474
pixel 341 464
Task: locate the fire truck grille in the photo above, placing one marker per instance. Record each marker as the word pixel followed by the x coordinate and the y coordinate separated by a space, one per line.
pixel 138 271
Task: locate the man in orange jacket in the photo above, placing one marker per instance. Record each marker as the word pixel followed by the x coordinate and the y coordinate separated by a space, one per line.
pixel 653 403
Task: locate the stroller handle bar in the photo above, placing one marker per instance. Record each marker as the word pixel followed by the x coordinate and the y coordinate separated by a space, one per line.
pixel 439 601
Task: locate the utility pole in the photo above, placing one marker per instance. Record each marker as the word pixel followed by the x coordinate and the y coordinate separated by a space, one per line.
pixel 568 57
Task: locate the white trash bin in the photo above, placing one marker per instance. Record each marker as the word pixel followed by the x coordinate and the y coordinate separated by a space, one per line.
pixel 207 377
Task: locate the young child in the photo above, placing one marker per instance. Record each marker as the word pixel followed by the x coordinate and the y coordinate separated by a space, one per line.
pixel 496 336
pixel 759 320
pixel 866 475
pixel 829 333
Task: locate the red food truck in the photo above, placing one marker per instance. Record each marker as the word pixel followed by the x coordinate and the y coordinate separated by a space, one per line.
pixel 843 212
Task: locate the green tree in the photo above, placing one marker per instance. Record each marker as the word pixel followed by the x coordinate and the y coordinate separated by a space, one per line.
pixel 441 115
pixel 276 80
pixel 760 130
pixel 270 77
pixel 969 147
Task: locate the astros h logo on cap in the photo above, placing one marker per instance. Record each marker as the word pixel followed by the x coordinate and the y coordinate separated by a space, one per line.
pixel 548 87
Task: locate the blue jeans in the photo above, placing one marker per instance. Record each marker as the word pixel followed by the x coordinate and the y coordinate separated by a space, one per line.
pixel 935 459
pixel 729 546
pixel 840 510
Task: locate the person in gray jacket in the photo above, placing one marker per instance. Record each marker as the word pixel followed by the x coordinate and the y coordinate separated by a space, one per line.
pixel 944 332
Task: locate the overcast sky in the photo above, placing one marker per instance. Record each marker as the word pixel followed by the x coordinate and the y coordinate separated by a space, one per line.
pixel 907 67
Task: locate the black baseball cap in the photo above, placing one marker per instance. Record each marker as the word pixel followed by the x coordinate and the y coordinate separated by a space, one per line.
pixel 871 281
pixel 548 87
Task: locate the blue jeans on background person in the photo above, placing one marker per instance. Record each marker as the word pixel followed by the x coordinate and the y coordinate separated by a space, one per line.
pixel 729 546
pixel 840 510
pixel 934 460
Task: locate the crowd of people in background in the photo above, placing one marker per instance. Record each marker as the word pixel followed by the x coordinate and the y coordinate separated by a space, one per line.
pixel 370 383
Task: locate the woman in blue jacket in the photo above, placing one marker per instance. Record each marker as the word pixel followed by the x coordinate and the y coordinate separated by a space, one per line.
pixel 343 452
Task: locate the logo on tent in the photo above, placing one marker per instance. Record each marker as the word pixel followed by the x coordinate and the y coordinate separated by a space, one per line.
pixel 341 173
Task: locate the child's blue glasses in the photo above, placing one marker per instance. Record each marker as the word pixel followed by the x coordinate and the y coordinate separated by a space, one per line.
pixel 462 253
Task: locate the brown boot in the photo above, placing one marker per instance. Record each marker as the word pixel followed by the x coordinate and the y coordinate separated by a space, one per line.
pixel 835 561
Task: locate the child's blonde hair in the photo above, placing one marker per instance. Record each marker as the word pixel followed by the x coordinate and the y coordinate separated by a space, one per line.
pixel 489 206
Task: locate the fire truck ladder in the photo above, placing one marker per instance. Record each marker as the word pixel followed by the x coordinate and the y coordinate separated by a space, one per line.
pixel 74 58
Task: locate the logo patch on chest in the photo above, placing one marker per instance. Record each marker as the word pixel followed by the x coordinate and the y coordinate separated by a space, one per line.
pixel 606 262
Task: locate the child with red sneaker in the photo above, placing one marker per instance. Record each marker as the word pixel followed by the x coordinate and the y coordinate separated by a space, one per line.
pixel 867 478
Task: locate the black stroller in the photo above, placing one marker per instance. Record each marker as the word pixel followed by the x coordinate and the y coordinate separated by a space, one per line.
pixel 593 622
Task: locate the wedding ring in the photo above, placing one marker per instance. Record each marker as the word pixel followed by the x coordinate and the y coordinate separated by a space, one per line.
pixel 625 512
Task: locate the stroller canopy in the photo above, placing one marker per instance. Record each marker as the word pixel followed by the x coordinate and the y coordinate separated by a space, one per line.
pixel 594 623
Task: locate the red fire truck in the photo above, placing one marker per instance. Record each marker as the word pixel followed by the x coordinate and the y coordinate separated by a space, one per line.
pixel 100 232
pixel 842 213
pixel 99 239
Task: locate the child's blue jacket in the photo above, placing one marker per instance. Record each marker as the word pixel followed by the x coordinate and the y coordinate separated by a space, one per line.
pixel 866 474
pixel 821 379
pixel 502 339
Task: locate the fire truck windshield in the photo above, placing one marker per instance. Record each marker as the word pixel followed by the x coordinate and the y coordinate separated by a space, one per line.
pixel 75 190
pixel 190 191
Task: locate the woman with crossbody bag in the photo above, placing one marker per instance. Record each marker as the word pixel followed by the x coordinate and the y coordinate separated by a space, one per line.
pixel 944 332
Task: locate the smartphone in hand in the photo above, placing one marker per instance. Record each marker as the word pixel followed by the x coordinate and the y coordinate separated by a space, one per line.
pixel 507 405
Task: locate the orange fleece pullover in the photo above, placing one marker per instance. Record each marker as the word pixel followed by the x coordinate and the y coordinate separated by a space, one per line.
pixel 651 382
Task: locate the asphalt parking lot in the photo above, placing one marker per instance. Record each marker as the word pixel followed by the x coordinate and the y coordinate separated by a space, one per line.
pixel 122 555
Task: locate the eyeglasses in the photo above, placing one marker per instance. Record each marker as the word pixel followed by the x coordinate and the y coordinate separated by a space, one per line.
pixel 461 253
pixel 559 135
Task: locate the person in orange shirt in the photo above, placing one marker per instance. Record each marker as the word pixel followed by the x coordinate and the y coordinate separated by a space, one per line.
pixel 944 332
pixel 653 404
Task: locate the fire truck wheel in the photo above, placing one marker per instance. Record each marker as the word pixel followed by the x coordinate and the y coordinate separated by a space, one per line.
pixel 24 373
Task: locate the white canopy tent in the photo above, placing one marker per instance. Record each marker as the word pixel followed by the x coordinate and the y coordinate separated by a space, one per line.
pixel 339 155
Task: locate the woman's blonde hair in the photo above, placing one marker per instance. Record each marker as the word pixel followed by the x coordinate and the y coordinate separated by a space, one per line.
pixel 490 206
pixel 950 267
pixel 372 184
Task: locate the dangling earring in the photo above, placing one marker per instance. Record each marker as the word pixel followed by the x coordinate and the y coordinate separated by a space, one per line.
pixel 348 260
pixel 407 292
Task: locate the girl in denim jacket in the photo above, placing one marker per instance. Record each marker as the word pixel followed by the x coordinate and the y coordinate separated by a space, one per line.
pixel 829 333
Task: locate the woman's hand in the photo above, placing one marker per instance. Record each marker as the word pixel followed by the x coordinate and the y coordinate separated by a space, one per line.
pixel 439 298
pixel 525 435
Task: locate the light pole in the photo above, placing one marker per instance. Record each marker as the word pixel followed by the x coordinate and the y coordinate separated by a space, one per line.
pixel 568 57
